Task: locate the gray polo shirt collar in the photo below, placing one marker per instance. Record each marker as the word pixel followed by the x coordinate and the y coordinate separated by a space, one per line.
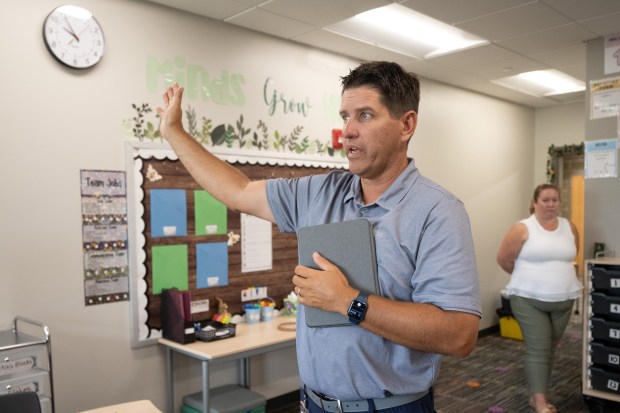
pixel 395 193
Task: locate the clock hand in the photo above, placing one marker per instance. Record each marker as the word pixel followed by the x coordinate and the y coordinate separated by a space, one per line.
pixel 72 34
pixel 71 31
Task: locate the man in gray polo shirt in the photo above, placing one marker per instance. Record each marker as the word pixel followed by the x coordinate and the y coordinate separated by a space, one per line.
pixel 429 295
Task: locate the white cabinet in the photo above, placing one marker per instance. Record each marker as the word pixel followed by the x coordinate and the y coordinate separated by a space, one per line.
pixel 26 361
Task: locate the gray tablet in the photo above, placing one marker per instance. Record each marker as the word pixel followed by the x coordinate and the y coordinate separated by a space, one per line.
pixel 350 245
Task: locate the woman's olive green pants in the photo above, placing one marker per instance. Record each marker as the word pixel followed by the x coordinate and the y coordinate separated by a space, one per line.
pixel 542 324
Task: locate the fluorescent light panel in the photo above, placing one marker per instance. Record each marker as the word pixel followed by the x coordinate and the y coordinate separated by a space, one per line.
pixel 402 30
pixel 541 83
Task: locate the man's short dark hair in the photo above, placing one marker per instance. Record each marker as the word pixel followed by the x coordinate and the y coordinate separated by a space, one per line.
pixel 399 90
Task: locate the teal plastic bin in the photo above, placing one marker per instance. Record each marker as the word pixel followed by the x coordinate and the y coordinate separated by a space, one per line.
pixel 226 399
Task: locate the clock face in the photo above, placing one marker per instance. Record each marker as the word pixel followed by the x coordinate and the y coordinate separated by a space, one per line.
pixel 73 36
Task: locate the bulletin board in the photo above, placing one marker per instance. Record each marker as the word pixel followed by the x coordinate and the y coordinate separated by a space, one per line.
pixel 153 170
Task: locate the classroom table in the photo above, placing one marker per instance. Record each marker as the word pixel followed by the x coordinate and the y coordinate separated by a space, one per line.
pixel 249 340
pixel 141 406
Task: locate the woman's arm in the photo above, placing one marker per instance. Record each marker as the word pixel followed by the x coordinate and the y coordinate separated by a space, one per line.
pixel 511 245
pixel 575 234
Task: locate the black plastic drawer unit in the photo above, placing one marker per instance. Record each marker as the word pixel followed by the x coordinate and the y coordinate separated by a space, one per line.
pixel 604 380
pixel 605 331
pixel 605 306
pixel 605 357
pixel 606 279
pixel 601 339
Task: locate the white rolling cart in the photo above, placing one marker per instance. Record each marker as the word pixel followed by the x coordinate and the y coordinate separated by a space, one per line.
pixel 26 361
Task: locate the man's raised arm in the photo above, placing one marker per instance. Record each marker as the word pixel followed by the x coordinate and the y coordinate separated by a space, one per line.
pixel 220 179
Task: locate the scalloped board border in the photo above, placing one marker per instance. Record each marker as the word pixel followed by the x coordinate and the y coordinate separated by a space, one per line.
pixel 135 155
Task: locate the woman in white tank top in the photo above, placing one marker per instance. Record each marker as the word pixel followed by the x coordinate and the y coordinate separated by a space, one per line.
pixel 539 253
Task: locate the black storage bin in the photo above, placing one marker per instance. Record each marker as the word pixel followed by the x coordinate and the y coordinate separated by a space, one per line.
pixel 604 380
pixel 604 356
pixel 606 306
pixel 606 279
pixel 605 331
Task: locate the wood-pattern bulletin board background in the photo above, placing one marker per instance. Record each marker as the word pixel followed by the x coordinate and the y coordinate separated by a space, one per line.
pixel 146 322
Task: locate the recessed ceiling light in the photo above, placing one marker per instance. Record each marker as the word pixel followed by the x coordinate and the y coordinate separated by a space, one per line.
pixel 542 83
pixel 403 30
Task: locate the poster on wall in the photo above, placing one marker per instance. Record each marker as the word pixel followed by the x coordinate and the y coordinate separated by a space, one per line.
pixel 612 54
pixel 604 98
pixel 601 160
pixel 256 244
pixel 104 236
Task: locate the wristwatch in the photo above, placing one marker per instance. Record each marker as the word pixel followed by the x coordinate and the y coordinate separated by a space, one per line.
pixel 358 308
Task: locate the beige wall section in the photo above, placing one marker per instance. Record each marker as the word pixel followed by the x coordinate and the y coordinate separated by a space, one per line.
pixel 558 125
pixel 481 149
pixel 56 122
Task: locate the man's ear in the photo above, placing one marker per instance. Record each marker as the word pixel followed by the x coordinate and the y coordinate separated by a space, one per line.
pixel 409 122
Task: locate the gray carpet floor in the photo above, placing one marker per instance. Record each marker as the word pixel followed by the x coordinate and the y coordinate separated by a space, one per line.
pixel 491 379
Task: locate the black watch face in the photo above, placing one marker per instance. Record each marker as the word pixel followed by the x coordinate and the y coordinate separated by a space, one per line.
pixel 357 310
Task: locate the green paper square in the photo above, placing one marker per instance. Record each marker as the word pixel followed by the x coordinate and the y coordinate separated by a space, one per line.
pixel 210 215
pixel 169 267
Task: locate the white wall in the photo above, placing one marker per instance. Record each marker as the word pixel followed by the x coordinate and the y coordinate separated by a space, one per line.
pixel 480 148
pixel 558 126
pixel 602 197
pixel 57 121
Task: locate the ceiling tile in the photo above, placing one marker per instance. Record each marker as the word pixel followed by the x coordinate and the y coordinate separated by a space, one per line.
pixel 377 53
pixel 440 73
pixel 504 68
pixel 571 60
pixel 581 10
pixel 604 26
pixel 324 39
pixel 557 38
pixel 315 12
pixel 451 11
pixel 215 9
pixel 570 97
pixel 270 23
pixel 475 57
pixel 529 18
pixel 248 2
pixel 422 68
pixel 497 91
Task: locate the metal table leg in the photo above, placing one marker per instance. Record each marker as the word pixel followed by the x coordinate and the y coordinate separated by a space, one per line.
pixel 244 372
pixel 169 381
pixel 205 387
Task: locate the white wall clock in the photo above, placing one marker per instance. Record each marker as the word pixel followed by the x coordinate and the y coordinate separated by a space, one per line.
pixel 74 37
